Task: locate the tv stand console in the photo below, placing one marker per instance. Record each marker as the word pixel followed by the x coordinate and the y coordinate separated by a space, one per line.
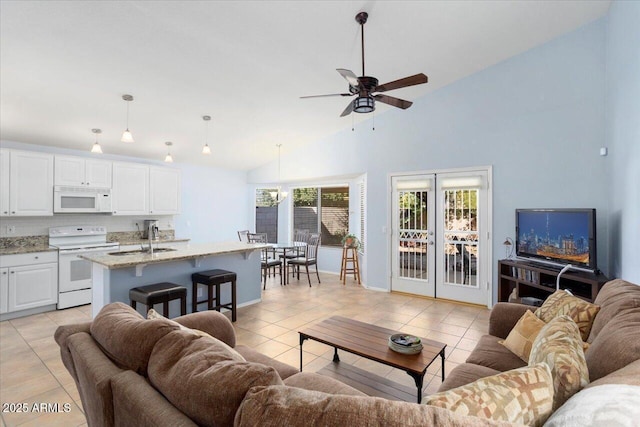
pixel 537 280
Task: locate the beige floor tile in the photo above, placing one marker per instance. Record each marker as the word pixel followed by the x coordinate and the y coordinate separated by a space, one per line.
pixel 272 348
pixel 467 344
pixel 458 321
pixel 248 338
pixel 458 356
pixel 290 338
pixel 292 357
pixel 54 396
pixel 272 331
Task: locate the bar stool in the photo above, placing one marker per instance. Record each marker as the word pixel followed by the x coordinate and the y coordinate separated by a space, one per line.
pixel 214 278
pixel 159 293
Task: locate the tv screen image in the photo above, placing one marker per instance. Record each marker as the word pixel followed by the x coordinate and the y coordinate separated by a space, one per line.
pixel 563 236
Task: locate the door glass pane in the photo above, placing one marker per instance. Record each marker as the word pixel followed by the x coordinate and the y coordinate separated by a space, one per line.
pixel 461 237
pixel 413 233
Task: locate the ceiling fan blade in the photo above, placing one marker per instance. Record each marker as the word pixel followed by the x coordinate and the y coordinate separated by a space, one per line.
pixel 397 84
pixel 349 76
pixel 325 96
pixel 396 102
pixel 347 110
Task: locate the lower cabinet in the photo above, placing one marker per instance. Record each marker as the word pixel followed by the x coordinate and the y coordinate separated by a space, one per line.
pixel 4 290
pixel 28 281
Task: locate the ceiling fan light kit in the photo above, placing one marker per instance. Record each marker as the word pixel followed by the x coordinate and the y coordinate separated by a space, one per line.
pixel 126 135
pixel 365 86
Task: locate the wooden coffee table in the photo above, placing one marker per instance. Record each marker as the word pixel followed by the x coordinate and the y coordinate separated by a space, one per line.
pixel 372 342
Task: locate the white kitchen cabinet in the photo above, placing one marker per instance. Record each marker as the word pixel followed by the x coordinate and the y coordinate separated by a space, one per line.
pixel 78 171
pixel 30 183
pixel 32 280
pixel 130 189
pixel 4 182
pixel 4 290
pixel 164 187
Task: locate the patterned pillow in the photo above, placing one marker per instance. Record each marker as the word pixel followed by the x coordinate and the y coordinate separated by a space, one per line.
pixel 523 396
pixel 561 302
pixel 520 339
pixel 559 345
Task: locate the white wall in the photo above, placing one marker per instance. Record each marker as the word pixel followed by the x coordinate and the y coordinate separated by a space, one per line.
pixel 537 118
pixel 623 137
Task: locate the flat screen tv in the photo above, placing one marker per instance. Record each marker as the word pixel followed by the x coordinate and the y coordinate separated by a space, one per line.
pixel 558 236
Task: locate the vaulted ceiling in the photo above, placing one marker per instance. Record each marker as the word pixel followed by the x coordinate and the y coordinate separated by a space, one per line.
pixel 64 66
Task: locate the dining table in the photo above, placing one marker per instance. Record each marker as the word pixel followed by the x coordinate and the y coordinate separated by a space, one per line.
pixel 285 249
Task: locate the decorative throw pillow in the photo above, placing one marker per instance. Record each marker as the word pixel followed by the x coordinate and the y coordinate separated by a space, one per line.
pixel 520 339
pixel 561 302
pixel 606 405
pixel 152 314
pixel 559 345
pixel 523 396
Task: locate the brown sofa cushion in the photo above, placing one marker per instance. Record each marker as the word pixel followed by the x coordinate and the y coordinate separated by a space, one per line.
pixel 290 406
pixel 490 353
pixel 212 322
pixel 316 382
pixel 617 344
pixel 629 375
pixel 466 373
pixel 137 404
pixel 202 378
pixel 559 346
pixel 614 297
pixel 61 335
pixel 523 396
pixel 251 355
pixel 127 337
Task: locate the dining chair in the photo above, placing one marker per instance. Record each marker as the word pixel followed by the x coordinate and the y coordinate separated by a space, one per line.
pixel 243 236
pixel 310 256
pixel 300 238
pixel 267 262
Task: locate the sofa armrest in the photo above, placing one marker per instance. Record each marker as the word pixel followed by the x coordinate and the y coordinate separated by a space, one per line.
pixel 212 322
pixel 61 336
pixel 504 317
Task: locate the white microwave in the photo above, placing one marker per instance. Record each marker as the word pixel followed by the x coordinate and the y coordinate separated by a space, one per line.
pixel 81 200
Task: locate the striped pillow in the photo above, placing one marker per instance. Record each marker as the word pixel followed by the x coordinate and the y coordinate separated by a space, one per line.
pixel 561 302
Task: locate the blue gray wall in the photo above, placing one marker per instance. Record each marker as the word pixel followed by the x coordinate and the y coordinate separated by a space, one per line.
pixel 623 137
pixel 537 118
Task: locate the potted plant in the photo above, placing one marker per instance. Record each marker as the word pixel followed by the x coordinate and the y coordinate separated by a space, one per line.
pixel 351 241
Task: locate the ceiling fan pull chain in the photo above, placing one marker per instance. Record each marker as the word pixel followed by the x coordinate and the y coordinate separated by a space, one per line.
pixel 352 123
pixel 373 120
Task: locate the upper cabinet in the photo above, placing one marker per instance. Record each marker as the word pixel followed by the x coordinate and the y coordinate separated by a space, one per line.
pixel 27 183
pixel 164 187
pixel 130 190
pixel 140 189
pixel 77 171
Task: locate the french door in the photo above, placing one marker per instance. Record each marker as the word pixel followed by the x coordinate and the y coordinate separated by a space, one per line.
pixel 440 244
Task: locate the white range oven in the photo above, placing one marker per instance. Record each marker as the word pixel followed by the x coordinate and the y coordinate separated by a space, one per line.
pixel 74 273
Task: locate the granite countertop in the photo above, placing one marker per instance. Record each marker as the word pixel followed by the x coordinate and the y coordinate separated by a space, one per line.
pixel 26 249
pixel 146 241
pixel 192 251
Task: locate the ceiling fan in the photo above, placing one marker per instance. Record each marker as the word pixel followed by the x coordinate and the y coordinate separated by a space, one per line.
pixel 366 86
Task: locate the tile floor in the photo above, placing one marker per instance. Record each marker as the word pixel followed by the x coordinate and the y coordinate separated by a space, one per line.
pixel 31 370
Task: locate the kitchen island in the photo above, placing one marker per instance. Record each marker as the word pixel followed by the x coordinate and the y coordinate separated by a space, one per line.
pixel 115 274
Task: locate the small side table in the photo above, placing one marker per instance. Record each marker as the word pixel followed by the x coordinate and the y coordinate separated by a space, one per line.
pixel 350 264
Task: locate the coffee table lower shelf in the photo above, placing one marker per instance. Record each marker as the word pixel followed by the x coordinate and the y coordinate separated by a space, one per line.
pixel 368 382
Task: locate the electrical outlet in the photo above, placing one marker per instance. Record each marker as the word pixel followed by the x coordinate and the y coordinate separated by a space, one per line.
pixel 11 229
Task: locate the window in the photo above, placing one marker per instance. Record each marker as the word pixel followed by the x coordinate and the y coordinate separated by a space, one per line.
pixel 322 210
pixel 267 214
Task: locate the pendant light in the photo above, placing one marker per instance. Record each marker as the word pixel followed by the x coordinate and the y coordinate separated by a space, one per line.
pixel 96 145
pixel 168 158
pixel 206 149
pixel 126 135
pixel 279 195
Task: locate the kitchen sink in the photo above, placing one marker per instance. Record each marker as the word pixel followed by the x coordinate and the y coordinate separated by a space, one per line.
pixel 141 251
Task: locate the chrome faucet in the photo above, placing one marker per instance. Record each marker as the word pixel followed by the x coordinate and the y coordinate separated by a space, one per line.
pixel 153 233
